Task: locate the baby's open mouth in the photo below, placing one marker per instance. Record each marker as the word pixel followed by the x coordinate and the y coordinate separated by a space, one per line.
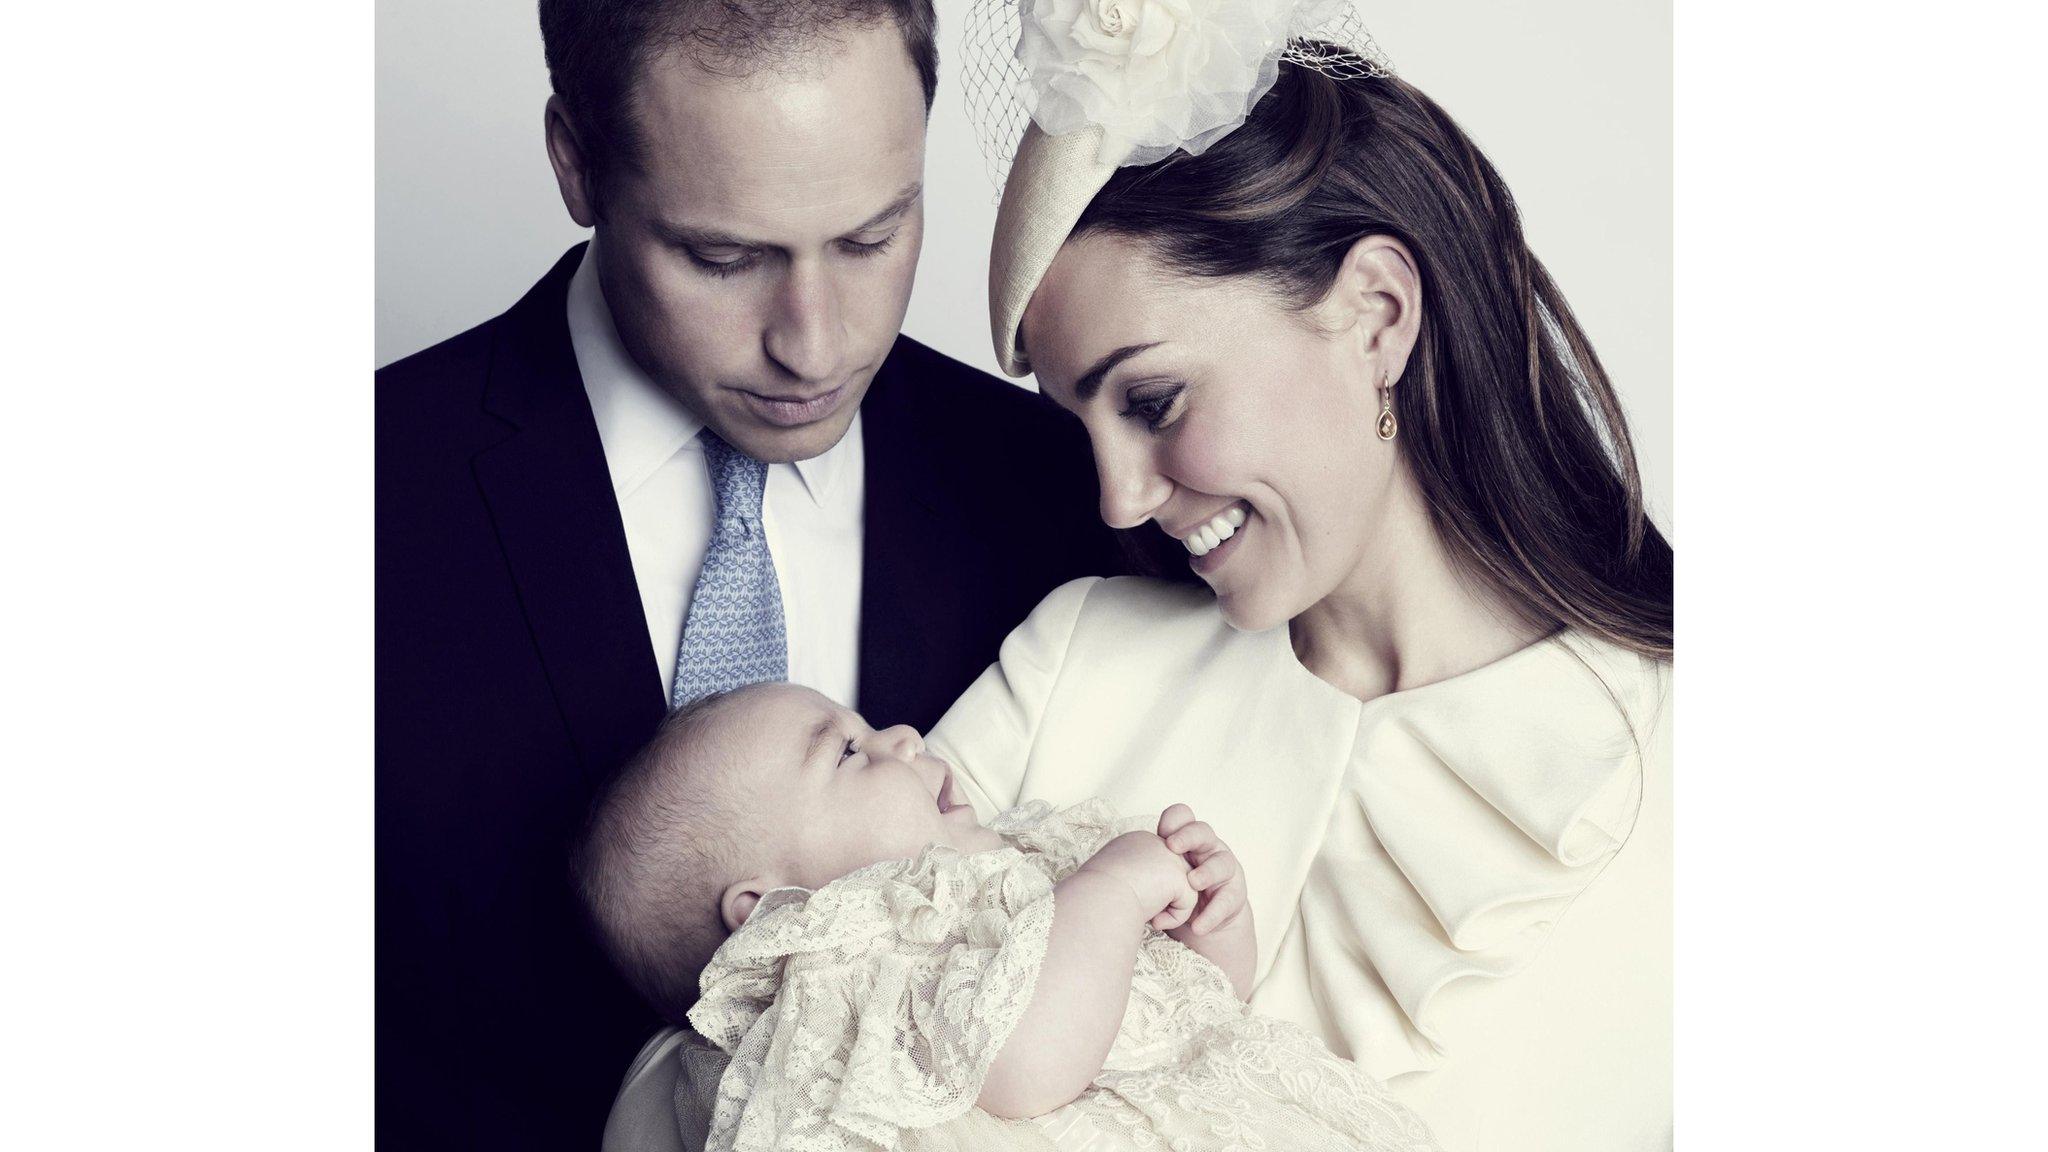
pixel 948 797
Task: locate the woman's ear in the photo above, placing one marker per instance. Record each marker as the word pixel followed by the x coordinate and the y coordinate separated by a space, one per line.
pixel 1376 304
pixel 571 164
pixel 738 901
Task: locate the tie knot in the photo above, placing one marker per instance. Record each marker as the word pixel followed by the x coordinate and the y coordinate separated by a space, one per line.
pixel 737 479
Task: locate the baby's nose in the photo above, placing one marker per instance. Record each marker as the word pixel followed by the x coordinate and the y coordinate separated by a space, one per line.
pixel 902 741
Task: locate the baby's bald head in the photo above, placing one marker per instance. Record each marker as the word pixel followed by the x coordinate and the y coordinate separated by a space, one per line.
pixel 763 787
pixel 664 841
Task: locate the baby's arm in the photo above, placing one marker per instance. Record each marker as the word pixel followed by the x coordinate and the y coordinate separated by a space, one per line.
pixel 1099 917
pixel 1221 929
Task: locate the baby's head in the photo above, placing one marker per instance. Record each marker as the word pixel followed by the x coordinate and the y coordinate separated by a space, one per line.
pixel 765 787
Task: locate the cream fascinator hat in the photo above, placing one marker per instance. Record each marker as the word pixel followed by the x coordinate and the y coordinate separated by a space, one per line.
pixel 1065 92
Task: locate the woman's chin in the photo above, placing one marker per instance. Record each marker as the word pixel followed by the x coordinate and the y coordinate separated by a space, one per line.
pixel 1249 612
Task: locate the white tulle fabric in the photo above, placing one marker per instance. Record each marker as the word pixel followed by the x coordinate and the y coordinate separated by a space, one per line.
pixel 1154 75
pixel 865 1015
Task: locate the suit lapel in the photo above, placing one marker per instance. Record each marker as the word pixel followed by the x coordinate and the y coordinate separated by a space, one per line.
pixel 557 519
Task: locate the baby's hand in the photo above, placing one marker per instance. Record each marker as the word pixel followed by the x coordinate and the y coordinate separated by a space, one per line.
pixel 1158 876
pixel 1216 876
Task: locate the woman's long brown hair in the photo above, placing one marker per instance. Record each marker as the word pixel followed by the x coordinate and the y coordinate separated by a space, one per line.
pixel 1506 416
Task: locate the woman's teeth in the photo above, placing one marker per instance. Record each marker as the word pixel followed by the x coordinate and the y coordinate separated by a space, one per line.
pixel 1204 540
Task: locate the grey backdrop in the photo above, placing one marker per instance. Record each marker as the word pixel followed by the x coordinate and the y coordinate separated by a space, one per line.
pixel 1571 99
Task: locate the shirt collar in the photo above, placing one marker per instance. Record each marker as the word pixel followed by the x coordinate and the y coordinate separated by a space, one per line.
pixel 641 424
pixel 822 472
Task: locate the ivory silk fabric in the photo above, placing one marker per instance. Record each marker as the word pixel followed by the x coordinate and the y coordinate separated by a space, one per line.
pixel 1466 887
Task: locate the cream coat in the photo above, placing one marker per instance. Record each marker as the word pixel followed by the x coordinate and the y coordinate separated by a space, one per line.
pixel 1466 887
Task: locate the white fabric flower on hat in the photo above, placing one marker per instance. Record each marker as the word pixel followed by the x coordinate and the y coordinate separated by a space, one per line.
pixel 1154 75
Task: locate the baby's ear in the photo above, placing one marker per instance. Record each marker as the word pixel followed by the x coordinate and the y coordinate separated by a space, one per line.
pixel 738 902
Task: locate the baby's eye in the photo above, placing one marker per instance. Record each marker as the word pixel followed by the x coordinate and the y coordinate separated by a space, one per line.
pixel 847 752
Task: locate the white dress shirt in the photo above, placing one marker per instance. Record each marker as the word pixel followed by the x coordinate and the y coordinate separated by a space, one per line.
pixel 812 512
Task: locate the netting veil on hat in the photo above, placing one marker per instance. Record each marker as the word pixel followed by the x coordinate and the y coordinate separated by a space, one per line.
pixel 1064 92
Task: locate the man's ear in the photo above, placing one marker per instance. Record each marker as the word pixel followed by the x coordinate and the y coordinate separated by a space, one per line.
pixel 572 172
pixel 739 899
pixel 1376 302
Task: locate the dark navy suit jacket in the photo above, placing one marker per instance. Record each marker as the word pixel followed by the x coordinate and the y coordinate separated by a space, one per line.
pixel 514 675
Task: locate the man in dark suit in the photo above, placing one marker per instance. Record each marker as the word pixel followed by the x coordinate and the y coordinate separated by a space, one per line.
pixel 550 503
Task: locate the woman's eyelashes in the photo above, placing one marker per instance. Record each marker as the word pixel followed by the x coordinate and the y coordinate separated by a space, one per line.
pixel 1155 405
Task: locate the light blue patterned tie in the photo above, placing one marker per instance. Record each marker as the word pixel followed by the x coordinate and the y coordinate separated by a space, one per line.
pixel 734 634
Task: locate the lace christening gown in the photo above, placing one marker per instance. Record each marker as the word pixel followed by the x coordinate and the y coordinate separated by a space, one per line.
pixel 865 1015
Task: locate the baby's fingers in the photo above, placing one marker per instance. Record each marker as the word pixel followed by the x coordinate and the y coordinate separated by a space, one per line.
pixel 1223 906
pixel 1220 866
pixel 1174 819
pixel 1191 836
pixel 1176 914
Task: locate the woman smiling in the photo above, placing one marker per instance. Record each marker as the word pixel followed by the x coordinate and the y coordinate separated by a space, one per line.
pixel 1424 694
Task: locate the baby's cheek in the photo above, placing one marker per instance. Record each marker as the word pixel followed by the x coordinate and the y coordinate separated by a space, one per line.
pixel 898 835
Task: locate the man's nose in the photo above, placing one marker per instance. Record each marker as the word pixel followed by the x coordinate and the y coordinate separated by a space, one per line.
pixel 1132 489
pixel 902 741
pixel 806 333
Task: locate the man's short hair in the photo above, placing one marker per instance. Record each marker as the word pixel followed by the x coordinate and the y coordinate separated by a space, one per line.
pixel 597 48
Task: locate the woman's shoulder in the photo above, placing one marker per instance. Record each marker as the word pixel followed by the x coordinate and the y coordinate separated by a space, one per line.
pixel 1120 604
pixel 1130 629
pixel 1135 593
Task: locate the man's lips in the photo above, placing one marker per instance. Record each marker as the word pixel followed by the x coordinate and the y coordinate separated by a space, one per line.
pixel 794 410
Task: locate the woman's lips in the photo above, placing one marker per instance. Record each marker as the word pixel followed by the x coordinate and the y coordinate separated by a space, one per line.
pixel 1210 534
pixel 793 412
pixel 1215 558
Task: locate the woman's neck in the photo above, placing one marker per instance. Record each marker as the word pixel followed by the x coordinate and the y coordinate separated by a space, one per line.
pixel 1406 616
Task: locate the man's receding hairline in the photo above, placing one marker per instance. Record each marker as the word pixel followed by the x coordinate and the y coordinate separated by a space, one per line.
pixel 796 55
pixel 784 50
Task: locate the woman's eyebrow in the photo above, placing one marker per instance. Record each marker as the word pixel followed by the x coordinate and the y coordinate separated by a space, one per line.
pixel 1091 381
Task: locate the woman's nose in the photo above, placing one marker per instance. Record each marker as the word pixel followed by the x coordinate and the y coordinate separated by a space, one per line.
pixel 1132 490
pixel 901 741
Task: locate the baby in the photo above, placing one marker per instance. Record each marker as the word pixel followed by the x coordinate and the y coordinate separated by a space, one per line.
pixel 818 899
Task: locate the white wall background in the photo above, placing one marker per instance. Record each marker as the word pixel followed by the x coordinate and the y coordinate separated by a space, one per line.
pixel 1571 99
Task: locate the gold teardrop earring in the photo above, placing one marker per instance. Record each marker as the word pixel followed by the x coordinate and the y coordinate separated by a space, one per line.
pixel 1388 425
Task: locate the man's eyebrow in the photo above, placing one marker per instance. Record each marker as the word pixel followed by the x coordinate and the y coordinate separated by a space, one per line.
pixel 689 237
pixel 702 237
pixel 895 208
pixel 1091 381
